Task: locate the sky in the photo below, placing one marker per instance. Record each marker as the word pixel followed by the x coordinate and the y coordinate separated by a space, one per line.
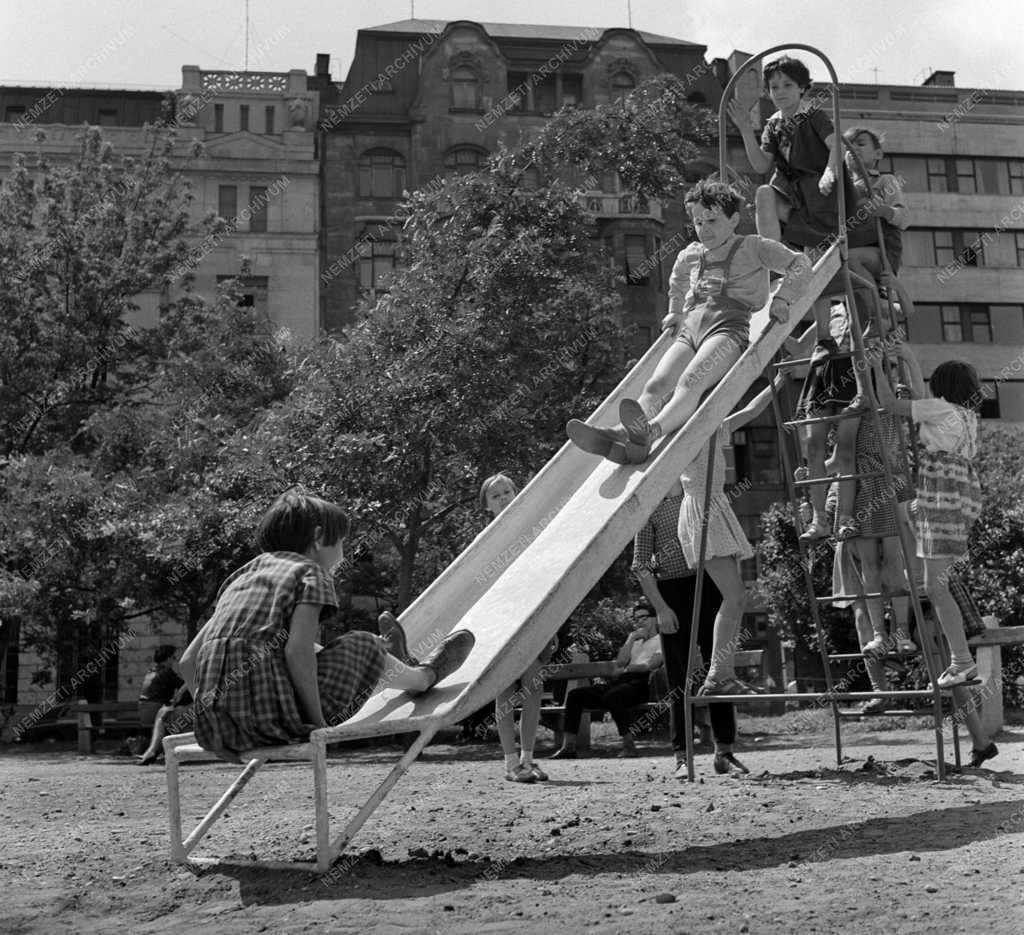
pixel 144 43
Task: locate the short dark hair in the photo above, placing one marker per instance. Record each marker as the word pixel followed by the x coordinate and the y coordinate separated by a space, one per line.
pixel 957 382
pixel 290 524
pixel 710 193
pixel 164 652
pixel 791 68
pixel 852 134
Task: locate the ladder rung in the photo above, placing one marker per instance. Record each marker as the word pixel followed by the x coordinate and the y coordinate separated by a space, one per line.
pixel 838 417
pixel 810 696
pixel 866 596
pixel 803 361
pixel 849 657
pixel 836 477
pixel 895 712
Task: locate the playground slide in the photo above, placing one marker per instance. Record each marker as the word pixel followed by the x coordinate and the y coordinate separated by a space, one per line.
pixel 518 581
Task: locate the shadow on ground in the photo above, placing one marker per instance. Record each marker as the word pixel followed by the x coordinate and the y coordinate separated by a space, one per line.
pixel 366 876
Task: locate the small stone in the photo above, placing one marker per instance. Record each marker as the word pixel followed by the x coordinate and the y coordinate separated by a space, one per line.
pixel 914 857
pixel 655 808
pixel 555 832
pixel 931 888
pixel 418 852
pixel 665 898
pixel 744 927
pixel 711 807
pixel 448 907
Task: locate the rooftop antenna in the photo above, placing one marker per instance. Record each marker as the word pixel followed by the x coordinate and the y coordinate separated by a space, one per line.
pixel 875 70
pixel 246 65
pixel 629 12
pixel 412 9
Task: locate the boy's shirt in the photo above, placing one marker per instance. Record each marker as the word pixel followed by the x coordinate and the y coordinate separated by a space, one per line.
pixel 748 274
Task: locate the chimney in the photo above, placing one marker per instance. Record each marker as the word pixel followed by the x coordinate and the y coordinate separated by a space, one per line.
pixel 939 79
pixel 323 65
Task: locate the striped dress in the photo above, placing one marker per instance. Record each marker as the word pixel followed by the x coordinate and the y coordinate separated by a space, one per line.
pixel 244 696
pixel 948 492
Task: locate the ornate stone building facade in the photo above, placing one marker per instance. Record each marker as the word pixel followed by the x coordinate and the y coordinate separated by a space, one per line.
pixel 425 98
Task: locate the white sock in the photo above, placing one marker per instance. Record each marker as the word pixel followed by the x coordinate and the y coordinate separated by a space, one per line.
pixel 527 758
pixel 511 762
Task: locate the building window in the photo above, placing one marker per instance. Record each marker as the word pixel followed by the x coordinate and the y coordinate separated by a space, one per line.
pixel 545 95
pixel 957 248
pixel 14 113
pixel 465 89
pixel 965 180
pixel 269 115
pixel 376 264
pixel 937 181
pixel 517 99
pixel 572 90
pixel 227 202
pixel 1018 242
pixel 637 267
pixel 978 324
pixel 944 251
pixel 461 159
pixel 989 400
pixel 254 290
pixel 964 323
pixel 218 118
pixel 243 117
pixel 622 83
pixel 107 117
pixel 381 174
pixel 1016 171
pixel 258 209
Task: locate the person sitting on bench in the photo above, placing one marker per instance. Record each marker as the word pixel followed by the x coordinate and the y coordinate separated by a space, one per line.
pixel 639 656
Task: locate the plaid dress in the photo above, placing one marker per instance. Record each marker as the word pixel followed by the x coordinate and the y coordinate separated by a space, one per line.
pixel 244 695
pixel 948 492
pixel 873 508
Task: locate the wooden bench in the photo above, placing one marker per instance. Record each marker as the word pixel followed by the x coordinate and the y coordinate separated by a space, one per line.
pixel 16 720
pixel 553 716
pixel 117 716
pixel 988 648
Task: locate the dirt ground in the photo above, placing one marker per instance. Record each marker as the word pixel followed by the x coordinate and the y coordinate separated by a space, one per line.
pixel 612 845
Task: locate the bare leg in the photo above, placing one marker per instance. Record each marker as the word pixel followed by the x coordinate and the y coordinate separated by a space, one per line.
pixel 866 551
pixel 725 572
pixel 771 211
pixel 713 360
pixel 406 678
pixel 532 691
pixel 666 376
pixel 843 461
pixel 504 719
pixel 936 585
pixel 814 439
pixel 157 737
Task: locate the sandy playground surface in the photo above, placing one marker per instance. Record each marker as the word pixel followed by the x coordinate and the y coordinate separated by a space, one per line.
pixel 608 845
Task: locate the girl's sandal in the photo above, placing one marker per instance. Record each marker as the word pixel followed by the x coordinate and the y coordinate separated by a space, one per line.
pixel 847 528
pixel 817 530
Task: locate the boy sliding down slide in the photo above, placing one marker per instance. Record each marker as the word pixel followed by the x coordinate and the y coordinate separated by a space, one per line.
pixel 715 287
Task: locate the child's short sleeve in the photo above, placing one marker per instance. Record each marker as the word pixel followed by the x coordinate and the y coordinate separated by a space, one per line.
pixel 316 587
pixel 821 123
pixel 931 409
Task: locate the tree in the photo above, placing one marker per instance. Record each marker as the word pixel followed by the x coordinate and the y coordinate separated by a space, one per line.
pixel 502 326
pixel 650 137
pixel 78 244
pixel 782 584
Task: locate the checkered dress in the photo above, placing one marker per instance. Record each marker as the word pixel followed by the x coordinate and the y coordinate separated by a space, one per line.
pixel 245 697
pixel 948 492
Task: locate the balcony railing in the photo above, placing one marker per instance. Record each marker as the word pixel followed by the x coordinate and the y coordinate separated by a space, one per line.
pixel 620 206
